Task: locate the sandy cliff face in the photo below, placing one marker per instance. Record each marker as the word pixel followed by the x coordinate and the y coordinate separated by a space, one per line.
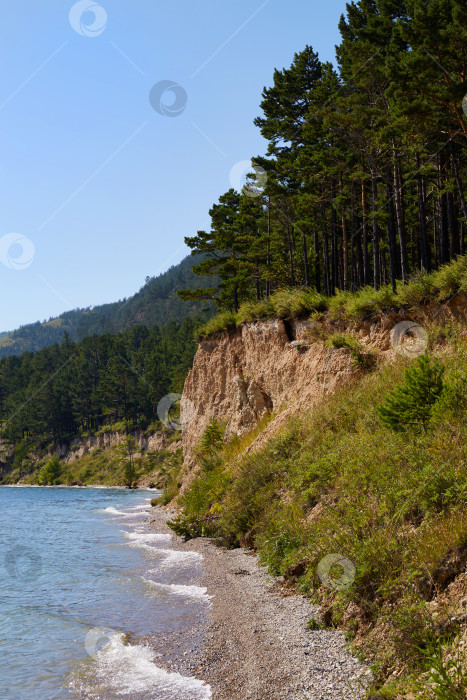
pixel 78 447
pixel 261 367
pixel 273 366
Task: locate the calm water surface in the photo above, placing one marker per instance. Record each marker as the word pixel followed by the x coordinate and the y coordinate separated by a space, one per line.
pixel 89 595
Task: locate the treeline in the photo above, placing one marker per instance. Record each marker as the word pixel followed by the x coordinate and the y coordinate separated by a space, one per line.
pixel 155 304
pixel 364 179
pixel 68 388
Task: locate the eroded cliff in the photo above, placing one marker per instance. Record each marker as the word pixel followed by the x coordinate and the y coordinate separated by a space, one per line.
pixel 282 367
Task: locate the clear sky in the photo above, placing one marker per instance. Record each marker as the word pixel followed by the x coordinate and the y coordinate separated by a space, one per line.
pixel 100 184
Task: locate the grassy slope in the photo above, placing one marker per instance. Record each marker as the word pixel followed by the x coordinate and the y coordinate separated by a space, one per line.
pixel 394 504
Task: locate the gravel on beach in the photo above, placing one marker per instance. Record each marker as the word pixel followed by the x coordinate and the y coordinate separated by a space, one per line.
pixel 256 641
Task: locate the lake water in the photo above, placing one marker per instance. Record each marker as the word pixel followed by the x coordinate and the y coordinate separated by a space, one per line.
pixel 93 602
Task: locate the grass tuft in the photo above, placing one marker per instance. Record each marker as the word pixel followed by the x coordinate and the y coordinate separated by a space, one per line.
pixel 289 303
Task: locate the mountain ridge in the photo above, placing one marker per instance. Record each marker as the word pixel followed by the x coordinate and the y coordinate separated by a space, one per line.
pixel 156 303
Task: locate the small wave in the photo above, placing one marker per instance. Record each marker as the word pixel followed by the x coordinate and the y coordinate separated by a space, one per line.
pixel 121 513
pixel 129 671
pixel 147 536
pixel 170 557
pixel 177 589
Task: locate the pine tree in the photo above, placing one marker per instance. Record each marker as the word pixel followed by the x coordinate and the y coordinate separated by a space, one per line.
pixel 411 403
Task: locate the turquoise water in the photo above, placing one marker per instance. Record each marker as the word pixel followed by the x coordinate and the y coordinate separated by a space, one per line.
pixel 92 600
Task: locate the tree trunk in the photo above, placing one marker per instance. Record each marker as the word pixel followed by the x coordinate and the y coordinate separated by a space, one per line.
pixel 442 215
pixel 305 260
pixel 268 251
pixel 334 260
pixel 345 241
pixel 400 217
pixel 424 253
pixel 374 199
pixel 393 267
pixel 327 280
pixel 317 266
pixel 366 260
pixel 460 190
pixel 289 243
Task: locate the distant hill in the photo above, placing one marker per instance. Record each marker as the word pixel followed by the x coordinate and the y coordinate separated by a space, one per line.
pixel 155 304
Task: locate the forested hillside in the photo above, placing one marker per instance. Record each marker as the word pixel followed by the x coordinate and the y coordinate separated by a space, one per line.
pixel 156 303
pixel 70 388
pixel 365 175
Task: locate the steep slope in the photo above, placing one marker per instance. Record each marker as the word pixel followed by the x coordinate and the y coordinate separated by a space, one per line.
pixel 367 517
pixel 156 303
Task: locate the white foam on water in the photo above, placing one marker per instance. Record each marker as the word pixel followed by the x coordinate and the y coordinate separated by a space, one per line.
pixel 129 671
pixel 121 513
pixel 147 536
pixel 170 557
pixel 177 589
pixel 142 506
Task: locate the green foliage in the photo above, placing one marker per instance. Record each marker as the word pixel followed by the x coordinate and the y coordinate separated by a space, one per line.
pixel 226 321
pixel 49 474
pixel 101 384
pixel 170 477
pixel 213 436
pixel 411 403
pixel 360 188
pixel 127 450
pixel 360 359
pixel 448 678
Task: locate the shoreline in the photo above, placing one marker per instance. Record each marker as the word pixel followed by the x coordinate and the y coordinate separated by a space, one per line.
pixel 256 644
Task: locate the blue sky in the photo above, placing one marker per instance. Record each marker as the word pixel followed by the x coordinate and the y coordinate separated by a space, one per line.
pixel 99 187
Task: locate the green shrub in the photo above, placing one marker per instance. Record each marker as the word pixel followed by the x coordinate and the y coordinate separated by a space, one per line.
pixel 448 679
pixel 226 321
pixel 451 278
pixel 49 474
pixel 213 436
pixel 294 302
pixel 416 291
pixel 410 405
pixel 360 359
